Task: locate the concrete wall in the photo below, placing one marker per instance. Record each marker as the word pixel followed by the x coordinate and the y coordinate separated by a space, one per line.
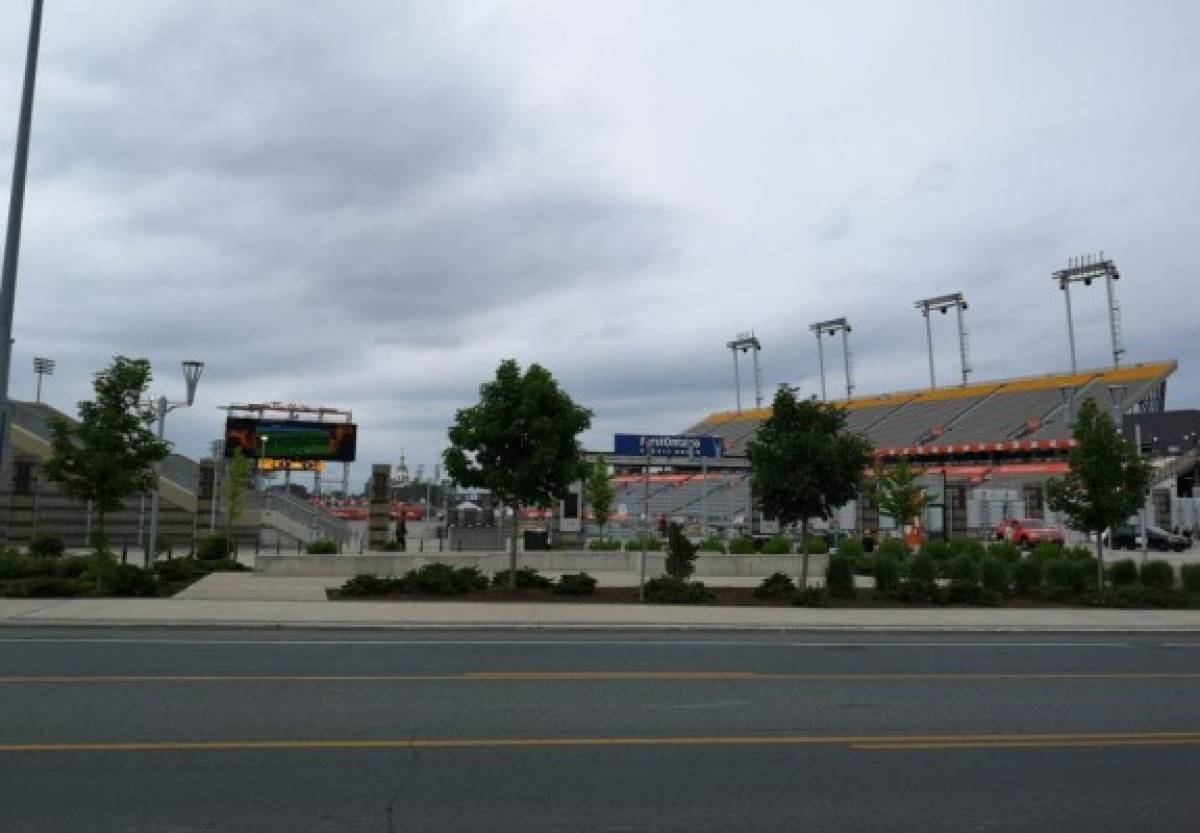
pixel 395 564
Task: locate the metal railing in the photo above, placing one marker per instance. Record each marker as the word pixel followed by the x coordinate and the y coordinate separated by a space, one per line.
pixel 300 511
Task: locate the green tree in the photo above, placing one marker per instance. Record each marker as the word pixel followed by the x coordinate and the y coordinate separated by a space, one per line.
pixel 520 442
pixel 109 454
pixel 896 492
pixel 237 473
pixel 599 493
pixel 804 462
pixel 1106 481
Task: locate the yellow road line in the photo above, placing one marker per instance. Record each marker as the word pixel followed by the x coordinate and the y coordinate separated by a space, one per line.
pixel 863 742
pixel 589 676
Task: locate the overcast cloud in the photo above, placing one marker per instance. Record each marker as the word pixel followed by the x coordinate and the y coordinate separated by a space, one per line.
pixel 369 204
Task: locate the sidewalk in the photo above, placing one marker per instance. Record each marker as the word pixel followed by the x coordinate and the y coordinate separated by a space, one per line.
pixel 268 613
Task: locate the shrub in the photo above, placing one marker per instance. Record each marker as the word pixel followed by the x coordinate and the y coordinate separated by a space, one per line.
pixel 850 547
pixel 45 545
pixel 114 579
pixel 895 547
pixel 1046 551
pixel 443 580
pixel 1027 576
pixel 575 584
pixel 1137 595
pixel 963 572
pixel 72 566
pixel 634 544
pixel 995 575
pixel 1157 575
pixel 603 545
pixel 969 547
pixel 777 546
pixel 887 574
pixel 526 577
pixel 1189 575
pixel 671 590
pixel 711 544
pixel 15 565
pixel 864 565
pixel 322 546
pixel 1123 572
pixel 178 570
pixel 681 553
pixel 809 597
pixel 1005 552
pixel 937 550
pixel 49 587
pixel 365 584
pixel 922 578
pixel 741 545
pixel 839 577
pixel 1066 577
pixel 776 586
pixel 816 545
pixel 212 548
pixel 1078 553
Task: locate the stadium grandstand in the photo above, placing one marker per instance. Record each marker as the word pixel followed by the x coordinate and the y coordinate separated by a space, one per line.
pixel 987 447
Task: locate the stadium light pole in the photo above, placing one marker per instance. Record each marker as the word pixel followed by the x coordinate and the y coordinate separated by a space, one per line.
pixel 12 236
pixel 943 304
pixel 191 377
pixel 831 328
pixel 1085 269
pixel 42 367
pixel 745 343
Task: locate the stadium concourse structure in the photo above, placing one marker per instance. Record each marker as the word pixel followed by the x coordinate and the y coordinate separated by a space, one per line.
pixel 987 447
pixel 31 504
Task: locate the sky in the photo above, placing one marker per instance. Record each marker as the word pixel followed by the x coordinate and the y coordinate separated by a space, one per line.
pixel 368 205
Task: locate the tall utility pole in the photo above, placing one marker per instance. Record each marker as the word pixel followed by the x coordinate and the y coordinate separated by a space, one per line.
pixel 831 328
pixel 943 304
pixel 1085 269
pixel 12 236
pixel 746 343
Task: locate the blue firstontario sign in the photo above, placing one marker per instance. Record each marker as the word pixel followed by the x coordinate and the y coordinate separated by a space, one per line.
pixel 664 445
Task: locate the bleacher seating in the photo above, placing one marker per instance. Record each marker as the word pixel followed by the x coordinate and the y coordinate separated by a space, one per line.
pixel 998 411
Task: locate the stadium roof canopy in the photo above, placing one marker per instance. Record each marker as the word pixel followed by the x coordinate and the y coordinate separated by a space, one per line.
pixel 1029 414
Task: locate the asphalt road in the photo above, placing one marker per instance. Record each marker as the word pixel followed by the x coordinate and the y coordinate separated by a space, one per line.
pixel 231 731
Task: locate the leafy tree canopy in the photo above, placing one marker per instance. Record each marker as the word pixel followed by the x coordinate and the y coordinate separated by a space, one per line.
pixel 599 493
pixel 896 492
pixel 110 453
pixel 521 440
pixel 805 464
pixel 1106 481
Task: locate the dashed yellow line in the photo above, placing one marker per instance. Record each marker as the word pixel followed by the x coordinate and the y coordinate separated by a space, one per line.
pixel 858 742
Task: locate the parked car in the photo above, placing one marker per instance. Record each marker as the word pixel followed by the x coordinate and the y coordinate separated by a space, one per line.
pixel 1028 533
pixel 1129 537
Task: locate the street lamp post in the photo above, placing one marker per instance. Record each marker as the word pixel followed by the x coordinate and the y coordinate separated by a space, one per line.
pixel 191 377
pixel 12 235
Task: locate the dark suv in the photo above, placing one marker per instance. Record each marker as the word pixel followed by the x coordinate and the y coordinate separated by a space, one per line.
pixel 1125 537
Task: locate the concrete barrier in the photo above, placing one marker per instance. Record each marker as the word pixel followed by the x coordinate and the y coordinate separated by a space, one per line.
pixel 396 564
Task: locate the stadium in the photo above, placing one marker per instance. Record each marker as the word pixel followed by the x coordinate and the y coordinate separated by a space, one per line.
pixel 988 447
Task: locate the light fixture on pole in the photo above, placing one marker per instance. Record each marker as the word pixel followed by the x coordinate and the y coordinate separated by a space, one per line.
pixel 746 343
pixel 42 367
pixel 943 304
pixel 831 328
pixel 1085 269
pixel 191 377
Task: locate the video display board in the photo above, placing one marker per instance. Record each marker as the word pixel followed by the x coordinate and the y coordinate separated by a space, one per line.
pixel 290 439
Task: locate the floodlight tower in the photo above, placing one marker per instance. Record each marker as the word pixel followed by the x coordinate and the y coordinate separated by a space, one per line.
pixel 943 303
pixel 746 343
pixel 832 328
pixel 42 367
pixel 1085 269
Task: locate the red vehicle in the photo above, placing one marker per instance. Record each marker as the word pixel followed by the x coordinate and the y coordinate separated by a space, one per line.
pixel 1028 533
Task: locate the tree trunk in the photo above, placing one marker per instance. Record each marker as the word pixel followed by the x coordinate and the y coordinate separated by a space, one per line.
pixel 512 553
pixel 804 554
pixel 1099 561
